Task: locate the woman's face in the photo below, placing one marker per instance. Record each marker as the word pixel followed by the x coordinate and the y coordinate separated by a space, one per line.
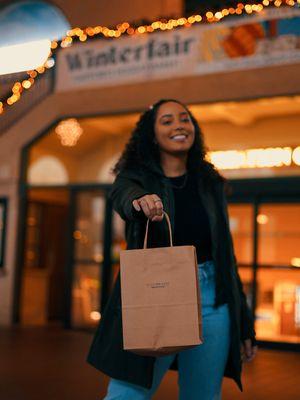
pixel 174 129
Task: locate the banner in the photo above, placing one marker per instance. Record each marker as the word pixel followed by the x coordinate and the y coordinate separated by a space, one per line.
pixel 271 37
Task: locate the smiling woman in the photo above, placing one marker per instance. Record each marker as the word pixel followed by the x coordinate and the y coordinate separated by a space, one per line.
pixel 24 23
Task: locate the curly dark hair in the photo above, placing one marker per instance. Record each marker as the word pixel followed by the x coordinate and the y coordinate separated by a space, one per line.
pixel 141 149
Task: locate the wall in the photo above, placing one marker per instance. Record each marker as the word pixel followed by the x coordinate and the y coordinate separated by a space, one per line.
pixel 112 12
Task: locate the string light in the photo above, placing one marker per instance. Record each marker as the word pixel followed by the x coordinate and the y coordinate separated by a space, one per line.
pixel 126 29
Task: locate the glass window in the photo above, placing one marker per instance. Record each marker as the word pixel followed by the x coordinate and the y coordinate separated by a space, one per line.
pixel 278 277
pixel 88 258
pixel 241 227
pixel 279 235
pixel 278 305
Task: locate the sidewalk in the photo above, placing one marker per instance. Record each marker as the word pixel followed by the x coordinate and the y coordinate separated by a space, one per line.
pixel 49 364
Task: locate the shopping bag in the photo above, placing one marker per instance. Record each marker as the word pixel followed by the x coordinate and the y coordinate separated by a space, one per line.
pixel 160 295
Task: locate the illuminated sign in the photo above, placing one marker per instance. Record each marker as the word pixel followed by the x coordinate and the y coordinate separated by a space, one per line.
pixel 256 158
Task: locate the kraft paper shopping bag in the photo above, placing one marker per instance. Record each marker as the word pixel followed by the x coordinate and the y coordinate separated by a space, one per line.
pixel 160 295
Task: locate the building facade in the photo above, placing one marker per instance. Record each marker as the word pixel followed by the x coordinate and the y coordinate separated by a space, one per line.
pixel 60 237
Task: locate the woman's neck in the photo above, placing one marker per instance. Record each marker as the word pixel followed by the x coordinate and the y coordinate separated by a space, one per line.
pixel 173 165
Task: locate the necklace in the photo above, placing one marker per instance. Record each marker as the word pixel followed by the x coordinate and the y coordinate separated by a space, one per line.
pixel 178 186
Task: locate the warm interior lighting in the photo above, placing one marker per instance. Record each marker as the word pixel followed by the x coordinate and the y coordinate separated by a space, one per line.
pixel 256 158
pixel 295 262
pixel 98 257
pixel 296 155
pixel 69 131
pixel 77 235
pixel 95 315
pixel 24 56
pixel 262 219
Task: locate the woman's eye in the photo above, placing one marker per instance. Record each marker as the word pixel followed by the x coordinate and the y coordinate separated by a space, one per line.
pixel 185 120
pixel 167 122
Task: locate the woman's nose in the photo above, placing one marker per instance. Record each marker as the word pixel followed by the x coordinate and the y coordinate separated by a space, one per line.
pixel 179 128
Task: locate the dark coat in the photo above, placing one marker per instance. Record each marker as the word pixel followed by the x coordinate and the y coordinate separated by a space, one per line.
pixel 106 352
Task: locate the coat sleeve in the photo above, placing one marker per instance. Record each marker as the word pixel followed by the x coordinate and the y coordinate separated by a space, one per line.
pixel 124 190
pixel 247 322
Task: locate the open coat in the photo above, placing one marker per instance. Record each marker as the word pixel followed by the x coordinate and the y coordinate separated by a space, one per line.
pixel 106 352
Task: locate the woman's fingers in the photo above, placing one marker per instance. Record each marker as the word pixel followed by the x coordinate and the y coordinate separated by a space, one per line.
pixel 157 208
pixel 136 205
pixel 158 218
pixel 151 205
pixel 144 205
pixel 158 204
pixel 248 352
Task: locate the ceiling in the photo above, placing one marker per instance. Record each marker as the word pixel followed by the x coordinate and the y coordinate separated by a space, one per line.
pixel 96 129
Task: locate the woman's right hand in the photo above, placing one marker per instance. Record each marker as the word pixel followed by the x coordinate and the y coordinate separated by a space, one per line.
pixel 151 205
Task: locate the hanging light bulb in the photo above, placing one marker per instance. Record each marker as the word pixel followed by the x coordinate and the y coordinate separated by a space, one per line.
pixel 69 131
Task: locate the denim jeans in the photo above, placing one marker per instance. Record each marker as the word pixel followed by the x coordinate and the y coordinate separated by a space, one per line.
pixel 201 368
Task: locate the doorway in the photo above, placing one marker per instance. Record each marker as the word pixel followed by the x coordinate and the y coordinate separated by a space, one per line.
pixel 88 271
pixel 43 279
pixel 66 274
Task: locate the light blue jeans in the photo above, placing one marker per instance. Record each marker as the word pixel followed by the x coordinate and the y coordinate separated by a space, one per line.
pixel 201 368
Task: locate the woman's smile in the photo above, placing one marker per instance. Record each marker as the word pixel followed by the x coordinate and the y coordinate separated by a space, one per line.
pixel 179 137
pixel 174 129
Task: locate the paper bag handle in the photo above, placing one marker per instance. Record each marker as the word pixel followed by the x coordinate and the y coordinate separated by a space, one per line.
pixel 170 230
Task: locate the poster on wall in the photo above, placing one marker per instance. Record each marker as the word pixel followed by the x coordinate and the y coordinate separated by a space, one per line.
pixel 257 43
pixel 269 38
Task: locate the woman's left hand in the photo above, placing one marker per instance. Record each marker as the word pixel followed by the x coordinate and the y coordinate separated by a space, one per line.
pixel 248 351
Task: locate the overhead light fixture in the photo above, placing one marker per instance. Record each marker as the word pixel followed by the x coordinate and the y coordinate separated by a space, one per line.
pixel 24 56
pixel 69 131
pixel 262 219
pixel 295 262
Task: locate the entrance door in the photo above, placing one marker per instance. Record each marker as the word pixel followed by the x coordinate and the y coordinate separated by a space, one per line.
pixel 43 284
pixel 89 260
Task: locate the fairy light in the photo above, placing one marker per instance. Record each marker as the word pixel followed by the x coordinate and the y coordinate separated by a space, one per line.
pixel 219 15
pixel 125 28
pixel 26 84
pixel 49 63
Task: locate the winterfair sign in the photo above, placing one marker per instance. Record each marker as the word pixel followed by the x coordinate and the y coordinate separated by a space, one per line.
pixel 271 37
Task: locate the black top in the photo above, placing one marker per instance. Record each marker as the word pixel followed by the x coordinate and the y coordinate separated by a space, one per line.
pixel 191 226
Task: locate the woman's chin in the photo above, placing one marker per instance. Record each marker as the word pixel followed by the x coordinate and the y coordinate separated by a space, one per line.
pixel 177 152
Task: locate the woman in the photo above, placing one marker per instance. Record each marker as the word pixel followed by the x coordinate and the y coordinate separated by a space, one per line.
pixel 163 168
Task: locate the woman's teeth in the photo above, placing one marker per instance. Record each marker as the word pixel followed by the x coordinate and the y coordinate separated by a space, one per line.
pixel 178 137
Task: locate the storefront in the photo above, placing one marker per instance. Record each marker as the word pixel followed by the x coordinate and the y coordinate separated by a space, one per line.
pixel 64 253
pixel 68 220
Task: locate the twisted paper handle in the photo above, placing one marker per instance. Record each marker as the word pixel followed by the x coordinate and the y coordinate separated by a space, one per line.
pixel 170 230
